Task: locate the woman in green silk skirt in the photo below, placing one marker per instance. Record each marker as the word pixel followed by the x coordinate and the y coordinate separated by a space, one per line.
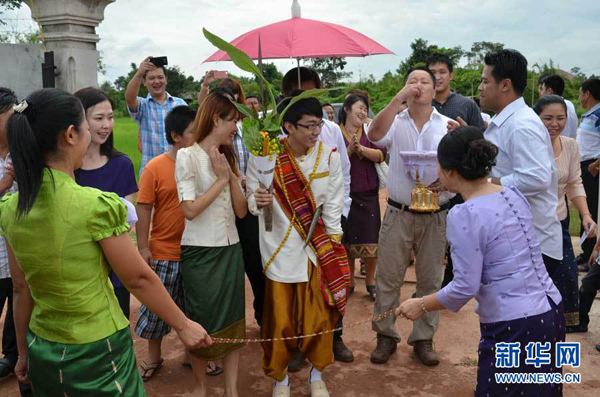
pixel 62 241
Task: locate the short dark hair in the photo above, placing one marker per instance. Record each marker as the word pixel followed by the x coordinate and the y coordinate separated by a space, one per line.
pixel 178 120
pixel 437 57
pixel 89 97
pixel 542 78
pixel 547 100
pixel 307 106
pixel 349 102
pixel 592 85
pixel 508 64
pixel 466 151
pixel 33 134
pixel 290 80
pixel 423 68
pixel 7 99
pixel 555 82
pixel 251 96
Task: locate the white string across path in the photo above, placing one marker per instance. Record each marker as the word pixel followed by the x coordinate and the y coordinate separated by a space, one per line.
pixel 351 325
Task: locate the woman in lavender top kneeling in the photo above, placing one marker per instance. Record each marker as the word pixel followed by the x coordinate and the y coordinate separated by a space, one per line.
pixel 498 261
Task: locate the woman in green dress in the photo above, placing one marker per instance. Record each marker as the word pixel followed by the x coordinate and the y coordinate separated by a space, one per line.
pixel 63 240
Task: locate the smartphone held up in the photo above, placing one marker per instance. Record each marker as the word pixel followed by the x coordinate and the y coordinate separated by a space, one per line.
pixel 159 61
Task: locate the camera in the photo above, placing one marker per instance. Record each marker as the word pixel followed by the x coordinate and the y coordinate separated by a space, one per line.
pixel 159 61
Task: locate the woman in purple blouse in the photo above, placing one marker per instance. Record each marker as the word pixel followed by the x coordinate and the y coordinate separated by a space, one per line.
pixel 361 230
pixel 105 168
pixel 497 261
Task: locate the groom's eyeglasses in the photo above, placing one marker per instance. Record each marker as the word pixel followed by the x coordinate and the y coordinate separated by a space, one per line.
pixel 312 127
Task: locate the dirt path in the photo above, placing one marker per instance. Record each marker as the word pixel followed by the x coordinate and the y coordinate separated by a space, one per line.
pixel 456 342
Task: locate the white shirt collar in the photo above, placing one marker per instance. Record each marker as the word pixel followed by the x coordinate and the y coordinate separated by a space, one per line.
pixel 404 114
pixel 508 111
pixel 592 110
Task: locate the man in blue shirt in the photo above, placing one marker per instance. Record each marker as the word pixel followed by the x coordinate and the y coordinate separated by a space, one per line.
pixel 588 140
pixel 150 112
pixel 588 137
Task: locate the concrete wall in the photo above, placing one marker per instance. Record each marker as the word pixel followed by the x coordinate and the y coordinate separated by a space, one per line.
pixel 21 67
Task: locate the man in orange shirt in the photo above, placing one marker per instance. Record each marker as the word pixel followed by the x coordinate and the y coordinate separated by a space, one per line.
pixel 161 250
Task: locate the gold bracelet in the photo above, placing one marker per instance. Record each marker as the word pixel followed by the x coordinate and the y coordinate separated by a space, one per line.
pixel 143 249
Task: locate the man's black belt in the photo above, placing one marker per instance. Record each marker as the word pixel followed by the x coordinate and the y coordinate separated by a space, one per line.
pixel 403 207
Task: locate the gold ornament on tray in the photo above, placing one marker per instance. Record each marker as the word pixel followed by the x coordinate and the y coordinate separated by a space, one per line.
pixel 421 168
pixel 423 199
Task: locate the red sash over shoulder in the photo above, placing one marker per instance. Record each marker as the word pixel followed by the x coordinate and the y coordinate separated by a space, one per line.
pixel 295 197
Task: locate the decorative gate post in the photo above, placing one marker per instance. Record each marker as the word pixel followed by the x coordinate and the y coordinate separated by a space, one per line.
pixel 69 28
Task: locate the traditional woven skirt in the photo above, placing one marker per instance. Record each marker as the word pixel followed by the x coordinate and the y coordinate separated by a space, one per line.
pixel 545 327
pixel 106 367
pixel 214 294
pixel 361 232
pixel 565 278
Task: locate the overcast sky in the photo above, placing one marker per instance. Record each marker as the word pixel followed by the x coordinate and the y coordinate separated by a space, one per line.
pixel 567 32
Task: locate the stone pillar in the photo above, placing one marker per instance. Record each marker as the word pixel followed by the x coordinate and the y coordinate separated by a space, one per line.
pixel 69 27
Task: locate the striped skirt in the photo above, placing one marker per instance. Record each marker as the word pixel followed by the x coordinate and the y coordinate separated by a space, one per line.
pixel 105 368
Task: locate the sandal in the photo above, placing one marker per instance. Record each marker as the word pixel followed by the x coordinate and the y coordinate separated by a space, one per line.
pixel 213 369
pixel 372 290
pixel 148 370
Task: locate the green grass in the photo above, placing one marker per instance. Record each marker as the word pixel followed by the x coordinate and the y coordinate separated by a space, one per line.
pixel 126 140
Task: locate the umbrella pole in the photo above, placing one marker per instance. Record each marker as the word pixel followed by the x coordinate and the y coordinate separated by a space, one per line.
pixel 260 82
pixel 299 80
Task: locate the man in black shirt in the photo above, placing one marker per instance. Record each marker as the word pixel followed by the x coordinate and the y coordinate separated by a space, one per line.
pixel 449 103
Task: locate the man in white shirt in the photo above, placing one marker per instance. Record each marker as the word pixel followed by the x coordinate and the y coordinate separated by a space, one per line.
pixel 525 160
pixel 555 85
pixel 303 265
pixel 419 128
pixel 332 136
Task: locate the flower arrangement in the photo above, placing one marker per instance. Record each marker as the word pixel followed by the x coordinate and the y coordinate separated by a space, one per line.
pixel 260 132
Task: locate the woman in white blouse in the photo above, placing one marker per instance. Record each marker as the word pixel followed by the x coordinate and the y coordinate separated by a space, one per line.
pixel 212 265
pixel 553 112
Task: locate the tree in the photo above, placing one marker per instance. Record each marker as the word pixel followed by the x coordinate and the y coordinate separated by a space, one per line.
pixel 478 51
pixel 330 70
pixel 9 5
pixel 15 37
pixel 421 50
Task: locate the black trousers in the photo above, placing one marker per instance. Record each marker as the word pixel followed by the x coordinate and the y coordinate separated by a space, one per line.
pixel 248 231
pixel 551 264
pixel 9 336
pixel 124 298
pixel 449 271
pixel 590 284
pixel 590 184
pixel 337 335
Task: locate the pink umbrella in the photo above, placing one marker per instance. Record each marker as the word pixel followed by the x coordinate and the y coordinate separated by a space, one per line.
pixel 304 38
